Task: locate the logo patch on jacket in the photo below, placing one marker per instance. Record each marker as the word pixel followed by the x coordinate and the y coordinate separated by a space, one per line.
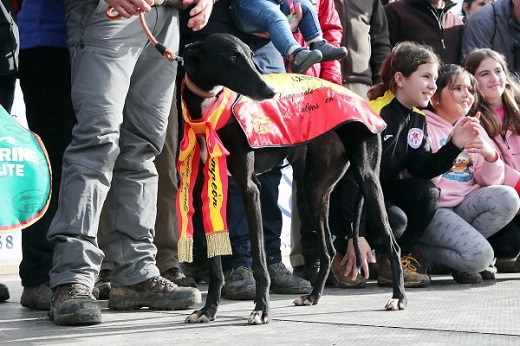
pixel 415 137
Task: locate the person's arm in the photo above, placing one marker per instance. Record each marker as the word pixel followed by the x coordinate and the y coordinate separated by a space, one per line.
pixel 478 31
pixel 332 32
pixel 426 164
pixel 379 40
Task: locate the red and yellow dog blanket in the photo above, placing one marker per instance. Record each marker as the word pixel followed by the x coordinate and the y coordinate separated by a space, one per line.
pixel 304 108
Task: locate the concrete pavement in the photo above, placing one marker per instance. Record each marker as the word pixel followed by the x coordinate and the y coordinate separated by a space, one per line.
pixel 444 314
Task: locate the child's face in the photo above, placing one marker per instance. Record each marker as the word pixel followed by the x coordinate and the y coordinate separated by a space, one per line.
pixel 455 99
pixel 417 89
pixel 491 80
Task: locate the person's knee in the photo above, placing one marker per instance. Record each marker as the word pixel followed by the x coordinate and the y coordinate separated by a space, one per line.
pixel 398 220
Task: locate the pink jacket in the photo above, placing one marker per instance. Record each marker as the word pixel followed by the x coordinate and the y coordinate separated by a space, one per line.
pixel 332 32
pixel 509 149
pixel 469 171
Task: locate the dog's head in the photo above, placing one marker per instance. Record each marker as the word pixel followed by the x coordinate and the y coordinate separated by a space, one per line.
pixel 223 59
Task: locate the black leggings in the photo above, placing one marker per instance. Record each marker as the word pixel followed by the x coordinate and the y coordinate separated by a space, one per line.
pixel 506 242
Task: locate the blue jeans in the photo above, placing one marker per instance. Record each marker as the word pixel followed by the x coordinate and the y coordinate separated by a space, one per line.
pixel 252 16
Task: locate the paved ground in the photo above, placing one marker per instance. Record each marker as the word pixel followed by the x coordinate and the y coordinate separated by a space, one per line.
pixel 443 314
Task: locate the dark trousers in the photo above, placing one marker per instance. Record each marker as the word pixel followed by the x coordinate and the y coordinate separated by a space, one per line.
pixel 271 218
pixel 45 81
pixel 410 204
pixel 7 88
pixel 506 242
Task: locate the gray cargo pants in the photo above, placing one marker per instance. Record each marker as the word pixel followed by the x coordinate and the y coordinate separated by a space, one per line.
pixel 122 92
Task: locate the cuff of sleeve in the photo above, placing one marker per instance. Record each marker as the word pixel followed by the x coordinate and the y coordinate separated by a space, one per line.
pixel 495 158
pixel 517 187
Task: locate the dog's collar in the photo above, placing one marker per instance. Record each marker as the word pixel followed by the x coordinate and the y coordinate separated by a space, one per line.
pixel 198 91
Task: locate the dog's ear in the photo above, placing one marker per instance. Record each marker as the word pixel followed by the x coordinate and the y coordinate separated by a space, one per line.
pixel 193 53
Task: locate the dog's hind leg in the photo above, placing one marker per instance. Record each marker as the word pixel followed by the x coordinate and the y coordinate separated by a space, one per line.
pixel 216 281
pixel 365 156
pixel 325 164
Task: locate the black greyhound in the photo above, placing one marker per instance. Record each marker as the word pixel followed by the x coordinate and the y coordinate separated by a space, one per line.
pixel 224 60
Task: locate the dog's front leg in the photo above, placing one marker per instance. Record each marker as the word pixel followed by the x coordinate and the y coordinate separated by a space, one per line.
pixel 251 190
pixel 216 281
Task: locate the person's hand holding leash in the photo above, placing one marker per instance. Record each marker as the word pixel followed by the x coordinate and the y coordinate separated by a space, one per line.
pixel 129 8
pixel 349 260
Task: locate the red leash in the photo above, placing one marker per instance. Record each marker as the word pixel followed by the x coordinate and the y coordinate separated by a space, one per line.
pixel 112 14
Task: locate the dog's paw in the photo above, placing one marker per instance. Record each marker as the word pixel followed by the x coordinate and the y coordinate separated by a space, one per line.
pixel 198 317
pixel 395 304
pixel 305 301
pixel 258 317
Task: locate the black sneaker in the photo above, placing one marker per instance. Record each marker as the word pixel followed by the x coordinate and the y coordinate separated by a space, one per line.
pixel 37 297
pixel 466 277
pixel 4 293
pixel 239 284
pixel 199 271
pixel 156 293
pixel 304 58
pixel 329 51
pixel 176 276
pixel 310 271
pixel 284 282
pixel 103 284
pixel 489 272
pixel 74 305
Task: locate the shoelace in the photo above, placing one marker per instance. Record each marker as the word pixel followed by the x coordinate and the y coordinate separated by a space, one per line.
pixel 410 263
pixel 79 291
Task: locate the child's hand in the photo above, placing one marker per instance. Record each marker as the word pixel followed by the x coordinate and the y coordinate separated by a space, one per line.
pixel 466 130
pixel 480 146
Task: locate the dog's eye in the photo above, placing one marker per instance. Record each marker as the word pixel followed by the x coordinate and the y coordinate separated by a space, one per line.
pixel 233 58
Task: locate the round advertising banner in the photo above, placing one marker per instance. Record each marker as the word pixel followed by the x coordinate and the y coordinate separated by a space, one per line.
pixel 25 175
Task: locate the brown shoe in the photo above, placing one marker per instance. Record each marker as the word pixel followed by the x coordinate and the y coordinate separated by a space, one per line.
pixel 176 276
pixel 37 297
pixel 413 272
pixel 74 305
pixel 342 281
pixel 156 293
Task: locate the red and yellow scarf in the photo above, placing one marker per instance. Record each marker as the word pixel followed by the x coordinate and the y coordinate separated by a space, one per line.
pixel 214 191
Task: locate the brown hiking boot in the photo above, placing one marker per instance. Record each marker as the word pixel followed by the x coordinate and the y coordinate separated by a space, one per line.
pixel 413 272
pixel 74 305
pixel 176 276
pixel 338 270
pixel 37 297
pixel 156 293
